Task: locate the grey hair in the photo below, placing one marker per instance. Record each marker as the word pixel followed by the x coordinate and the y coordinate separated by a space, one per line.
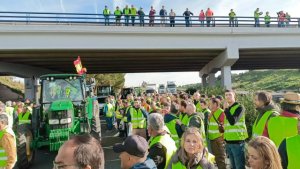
pixel 8 103
pixel 4 118
pixel 156 121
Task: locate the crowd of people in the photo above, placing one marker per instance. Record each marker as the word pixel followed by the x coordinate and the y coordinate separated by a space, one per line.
pixel 197 131
pixel 174 131
pixel 283 19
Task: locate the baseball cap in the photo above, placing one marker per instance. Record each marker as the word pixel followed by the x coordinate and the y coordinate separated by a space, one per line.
pixel 134 145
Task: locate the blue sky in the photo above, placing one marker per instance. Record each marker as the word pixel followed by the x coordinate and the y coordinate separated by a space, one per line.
pixel 220 8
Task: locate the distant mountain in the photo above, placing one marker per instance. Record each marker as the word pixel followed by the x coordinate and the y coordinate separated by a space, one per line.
pixel 273 80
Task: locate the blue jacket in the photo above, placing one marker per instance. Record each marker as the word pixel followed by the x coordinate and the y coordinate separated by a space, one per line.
pixel 148 164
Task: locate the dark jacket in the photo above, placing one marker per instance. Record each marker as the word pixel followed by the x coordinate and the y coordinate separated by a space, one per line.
pixel 232 119
pixel 148 164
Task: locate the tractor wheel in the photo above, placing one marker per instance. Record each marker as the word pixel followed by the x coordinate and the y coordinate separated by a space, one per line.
pixel 24 151
pixel 96 128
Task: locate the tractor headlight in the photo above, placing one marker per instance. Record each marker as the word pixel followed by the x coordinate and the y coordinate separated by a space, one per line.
pixel 53 121
pixel 65 121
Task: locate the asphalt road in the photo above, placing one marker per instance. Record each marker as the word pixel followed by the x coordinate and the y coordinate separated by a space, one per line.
pixel 44 158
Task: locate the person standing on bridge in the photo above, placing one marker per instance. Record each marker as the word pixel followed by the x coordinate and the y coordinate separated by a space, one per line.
pixel 106 14
pixel 209 16
pixel 202 18
pixel 126 13
pixel 172 16
pixel 187 14
pixel 151 16
pixel 163 14
pixel 8 147
pixel 232 17
pixel 267 19
pixel 256 17
pixel 141 14
pixel 133 13
pixel 118 15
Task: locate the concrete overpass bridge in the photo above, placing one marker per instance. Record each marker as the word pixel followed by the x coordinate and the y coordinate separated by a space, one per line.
pixel 29 50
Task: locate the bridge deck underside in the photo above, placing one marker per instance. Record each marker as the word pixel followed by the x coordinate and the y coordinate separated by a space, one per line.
pixel 148 60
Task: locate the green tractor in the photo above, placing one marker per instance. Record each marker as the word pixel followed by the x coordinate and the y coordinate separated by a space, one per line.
pixel 65 109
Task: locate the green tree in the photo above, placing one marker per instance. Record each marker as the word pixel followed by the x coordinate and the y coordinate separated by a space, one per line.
pixel 116 80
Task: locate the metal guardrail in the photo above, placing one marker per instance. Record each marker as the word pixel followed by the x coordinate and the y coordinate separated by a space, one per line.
pixel 101 20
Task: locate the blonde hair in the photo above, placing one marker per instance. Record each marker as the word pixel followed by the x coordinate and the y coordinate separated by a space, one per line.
pixel 182 154
pixel 268 151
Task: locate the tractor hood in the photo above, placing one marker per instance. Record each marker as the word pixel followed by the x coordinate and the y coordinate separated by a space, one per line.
pixel 59 105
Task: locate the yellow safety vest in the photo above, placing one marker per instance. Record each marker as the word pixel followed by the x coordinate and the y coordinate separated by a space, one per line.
pixel 198 107
pixel 118 114
pixel 172 128
pixel 259 126
pixel 24 118
pixel 110 110
pixel 168 143
pixel 202 129
pixel 179 165
pixel 213 128
pixel 3 154
pixel 106 12
pixel 125 114
pixel 281 127
pixel 185 119
pixel 238 131
pixel 293 151
pixel 137 119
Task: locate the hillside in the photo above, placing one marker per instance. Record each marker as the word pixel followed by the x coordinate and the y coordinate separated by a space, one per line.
pixel 10 89
pixel 273 80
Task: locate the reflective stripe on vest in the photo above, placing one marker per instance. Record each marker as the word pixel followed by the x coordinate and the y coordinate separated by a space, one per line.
pixel 110 110
pixel 281 127
pixel 259 126
pixel 179 165
pixel 172 128
pixel 238 131
pixel 293 151
pixel 168 143
pixel 137 119
pixel 3 154
pixel 24 118
pixel 202 129
pixel 213 128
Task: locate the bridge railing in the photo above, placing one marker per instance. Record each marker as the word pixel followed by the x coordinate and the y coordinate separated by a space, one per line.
pixel 101 20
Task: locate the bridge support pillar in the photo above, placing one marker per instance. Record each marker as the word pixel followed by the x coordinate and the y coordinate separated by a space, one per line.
pixel 204 81
pixel 226 77
pixel 31 89
pixel 212 80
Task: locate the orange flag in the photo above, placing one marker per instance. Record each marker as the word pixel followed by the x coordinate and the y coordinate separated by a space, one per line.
pixel 77 63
